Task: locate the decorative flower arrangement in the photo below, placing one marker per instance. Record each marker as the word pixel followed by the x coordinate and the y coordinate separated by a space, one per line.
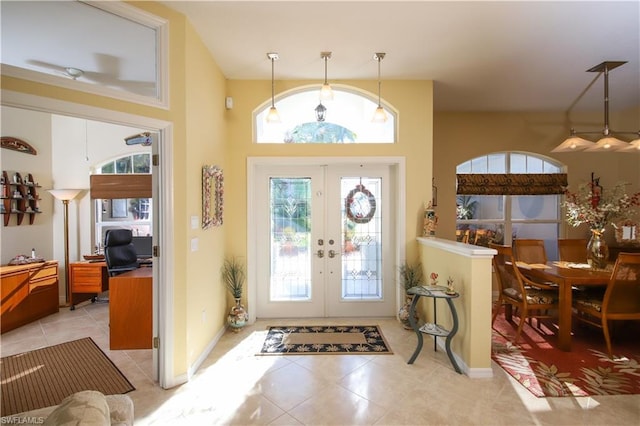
pixel 434 278
pixel 598 208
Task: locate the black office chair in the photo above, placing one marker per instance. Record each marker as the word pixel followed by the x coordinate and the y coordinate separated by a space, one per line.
pixel 119 252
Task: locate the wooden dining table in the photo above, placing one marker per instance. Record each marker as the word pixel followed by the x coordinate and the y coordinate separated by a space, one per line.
pixel 566 277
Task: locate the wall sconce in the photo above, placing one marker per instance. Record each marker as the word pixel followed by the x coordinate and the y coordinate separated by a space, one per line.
pixel 608 142
pixel 273 116
pixel 379 116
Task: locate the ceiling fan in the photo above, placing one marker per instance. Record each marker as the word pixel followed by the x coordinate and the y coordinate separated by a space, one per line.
pixel 109 76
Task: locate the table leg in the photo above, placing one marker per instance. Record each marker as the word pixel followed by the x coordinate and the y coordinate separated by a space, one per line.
pixel 564 314
pixel 414 325
pixel 454 330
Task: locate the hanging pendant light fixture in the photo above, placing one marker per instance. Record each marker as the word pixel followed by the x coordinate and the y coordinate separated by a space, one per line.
pixel 379 116
pixel 608 142
pixel 321 112
pixel 273 116
pixel 326 93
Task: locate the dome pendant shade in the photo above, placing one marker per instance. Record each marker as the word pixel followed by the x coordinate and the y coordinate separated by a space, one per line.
pixel 573 144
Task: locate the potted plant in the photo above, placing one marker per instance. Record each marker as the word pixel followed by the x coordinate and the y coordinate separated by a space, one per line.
pixel 410 276
pixel 233 276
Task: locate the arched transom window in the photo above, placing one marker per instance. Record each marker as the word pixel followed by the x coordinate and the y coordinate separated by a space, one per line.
pixel 348 119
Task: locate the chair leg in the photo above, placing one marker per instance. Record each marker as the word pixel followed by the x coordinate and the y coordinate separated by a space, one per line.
pixel 497 310
pixel 523 318
pixel 607 336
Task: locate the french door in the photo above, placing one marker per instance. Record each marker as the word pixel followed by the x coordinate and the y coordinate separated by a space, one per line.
pixel 324 246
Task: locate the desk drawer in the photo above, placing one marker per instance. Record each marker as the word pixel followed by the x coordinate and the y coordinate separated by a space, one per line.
pixel 45 272
pixel 86 278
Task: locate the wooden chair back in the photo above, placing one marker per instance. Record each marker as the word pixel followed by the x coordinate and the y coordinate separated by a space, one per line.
pixel 572 250
pixel 462 235
pixel 622 298
pixel 529 250
pixel 516 290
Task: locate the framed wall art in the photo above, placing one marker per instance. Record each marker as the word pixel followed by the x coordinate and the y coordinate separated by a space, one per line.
pixel 212 196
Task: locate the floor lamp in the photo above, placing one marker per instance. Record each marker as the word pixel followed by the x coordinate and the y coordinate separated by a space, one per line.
pixel 65 195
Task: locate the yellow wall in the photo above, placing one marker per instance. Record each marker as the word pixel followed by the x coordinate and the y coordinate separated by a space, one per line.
pixel 196 100
pixel 414 143
pixel 461 136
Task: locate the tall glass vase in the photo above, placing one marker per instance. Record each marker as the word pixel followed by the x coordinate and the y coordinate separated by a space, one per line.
pixel 597 250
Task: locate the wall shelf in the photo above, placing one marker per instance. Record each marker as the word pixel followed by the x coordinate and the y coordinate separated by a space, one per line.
pixel 19 197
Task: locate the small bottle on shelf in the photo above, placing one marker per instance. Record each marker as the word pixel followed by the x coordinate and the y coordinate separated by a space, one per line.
pixel 33 253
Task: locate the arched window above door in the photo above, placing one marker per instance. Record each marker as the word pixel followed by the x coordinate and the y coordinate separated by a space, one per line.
pixel 347 119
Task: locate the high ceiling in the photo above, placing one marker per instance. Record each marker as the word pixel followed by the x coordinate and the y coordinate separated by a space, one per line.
pixel 481 55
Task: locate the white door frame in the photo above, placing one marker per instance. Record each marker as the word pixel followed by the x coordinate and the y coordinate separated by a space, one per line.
pixel 164 265
pixel 397 170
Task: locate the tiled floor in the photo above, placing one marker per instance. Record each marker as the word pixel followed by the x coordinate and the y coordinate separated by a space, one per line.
pixel 235 387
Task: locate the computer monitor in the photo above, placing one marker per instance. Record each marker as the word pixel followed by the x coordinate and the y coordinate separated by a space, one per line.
pixel 143 247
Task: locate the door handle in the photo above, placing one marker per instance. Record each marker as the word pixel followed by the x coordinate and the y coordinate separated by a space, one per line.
pixel 320 253
pixel 333 253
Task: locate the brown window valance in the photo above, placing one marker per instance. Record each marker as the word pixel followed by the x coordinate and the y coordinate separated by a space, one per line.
pixel 115 186
pixel 511 184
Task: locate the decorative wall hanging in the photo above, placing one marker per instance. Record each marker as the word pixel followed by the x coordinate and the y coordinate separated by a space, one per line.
pixel 16 144
pixel 360 204
pixel 212 196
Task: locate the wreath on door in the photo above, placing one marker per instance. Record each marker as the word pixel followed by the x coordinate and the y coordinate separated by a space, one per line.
pixel 360 204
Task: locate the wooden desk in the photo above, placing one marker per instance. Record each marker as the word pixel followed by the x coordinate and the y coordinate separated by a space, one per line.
pixel 86 281
pixel 566 277
pixel 29 292
pixel 130 310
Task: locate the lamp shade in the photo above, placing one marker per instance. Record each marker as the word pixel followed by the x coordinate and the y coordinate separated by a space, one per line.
pixel 326 93
pixel 64 194
pixel 573 144
pixel 379 115
pixel 607 143
pixel 633 146
pixel 273 116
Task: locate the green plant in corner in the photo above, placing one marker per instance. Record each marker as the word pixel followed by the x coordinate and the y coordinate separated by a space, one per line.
pixel 410 275
pixel 233 275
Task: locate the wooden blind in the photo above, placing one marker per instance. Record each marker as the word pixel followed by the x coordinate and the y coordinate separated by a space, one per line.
pixel 120 186
pixel 511 184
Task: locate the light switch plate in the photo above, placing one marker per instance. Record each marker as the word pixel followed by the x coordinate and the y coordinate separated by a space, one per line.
pixel 195 222
pixel 194 244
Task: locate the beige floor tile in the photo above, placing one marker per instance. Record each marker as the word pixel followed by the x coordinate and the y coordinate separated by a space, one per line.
pixel 233 386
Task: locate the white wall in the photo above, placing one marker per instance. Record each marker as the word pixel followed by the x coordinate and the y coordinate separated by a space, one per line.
pixel 35 129
pixel 69 149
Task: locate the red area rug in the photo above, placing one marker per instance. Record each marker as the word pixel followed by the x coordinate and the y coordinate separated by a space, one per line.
pixel 537 364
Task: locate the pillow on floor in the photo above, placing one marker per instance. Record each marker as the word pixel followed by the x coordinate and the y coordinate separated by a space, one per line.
pixel 82 408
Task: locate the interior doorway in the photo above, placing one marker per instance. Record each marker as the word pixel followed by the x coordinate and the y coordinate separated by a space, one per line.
pixel 163 226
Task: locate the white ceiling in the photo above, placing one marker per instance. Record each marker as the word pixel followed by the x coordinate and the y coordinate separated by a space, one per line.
pixel 481 55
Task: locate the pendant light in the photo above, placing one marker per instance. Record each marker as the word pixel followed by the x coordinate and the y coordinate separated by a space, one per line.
pixel 273 116
pixel 608 142
pixel 379 116
pixel 321 112
pixel 326 93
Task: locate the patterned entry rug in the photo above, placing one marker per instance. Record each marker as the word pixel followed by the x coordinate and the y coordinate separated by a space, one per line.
pixel 320 339
pixel 537 364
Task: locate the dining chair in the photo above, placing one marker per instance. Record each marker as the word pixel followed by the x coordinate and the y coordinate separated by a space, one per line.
pixel 529 250
pixel 480 235
pixel 572 250
pixel 621 300
pixel 516 290
pixel 462 235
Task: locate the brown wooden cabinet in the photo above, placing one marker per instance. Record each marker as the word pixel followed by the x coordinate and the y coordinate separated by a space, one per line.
pixel 131 310
pixel 86 281
pixel 19 197
pixel 29 292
